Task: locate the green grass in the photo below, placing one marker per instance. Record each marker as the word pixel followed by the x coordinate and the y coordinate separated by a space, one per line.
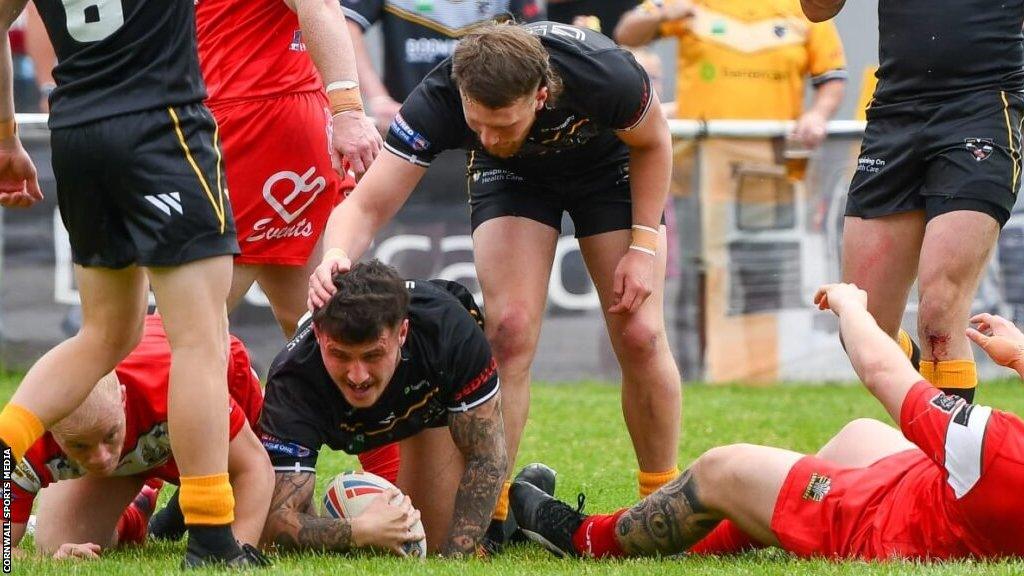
pixel 578 429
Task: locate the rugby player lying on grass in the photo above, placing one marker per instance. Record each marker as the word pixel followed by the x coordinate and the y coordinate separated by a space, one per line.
pixel 95 461
pixel 951 485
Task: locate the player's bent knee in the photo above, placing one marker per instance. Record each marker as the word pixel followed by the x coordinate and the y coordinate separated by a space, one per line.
pixel 115 342
pixel 717 473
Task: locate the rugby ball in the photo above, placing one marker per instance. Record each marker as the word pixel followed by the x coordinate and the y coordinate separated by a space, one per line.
pixel 349 493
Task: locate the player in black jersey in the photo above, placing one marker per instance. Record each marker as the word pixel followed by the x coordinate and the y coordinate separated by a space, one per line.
pixel 939 169
pixel 141 192
pixel 555 118
pixel 385 360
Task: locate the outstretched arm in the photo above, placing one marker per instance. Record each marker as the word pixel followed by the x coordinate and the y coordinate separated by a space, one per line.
pixel 353 223
pixel 479 435
pixel 877 358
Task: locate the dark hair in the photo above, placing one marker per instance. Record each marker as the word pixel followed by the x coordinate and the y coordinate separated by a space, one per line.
pixel 498 64
pixel 369 298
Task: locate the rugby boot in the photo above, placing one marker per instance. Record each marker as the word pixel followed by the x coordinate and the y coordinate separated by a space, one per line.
pixel 545 520
pixel 501 533
pixel 212 549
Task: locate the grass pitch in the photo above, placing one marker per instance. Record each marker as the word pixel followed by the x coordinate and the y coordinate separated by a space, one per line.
pixel 578 429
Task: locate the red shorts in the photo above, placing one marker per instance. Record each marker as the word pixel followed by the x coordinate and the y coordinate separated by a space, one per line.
pixel 828 510
pixel 277 155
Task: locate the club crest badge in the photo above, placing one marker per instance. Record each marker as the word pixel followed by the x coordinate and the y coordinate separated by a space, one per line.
pixel 980 148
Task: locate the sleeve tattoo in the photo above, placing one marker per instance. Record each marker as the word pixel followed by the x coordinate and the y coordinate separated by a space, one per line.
pixel 667 522
pixel 480 436
pixel 293 524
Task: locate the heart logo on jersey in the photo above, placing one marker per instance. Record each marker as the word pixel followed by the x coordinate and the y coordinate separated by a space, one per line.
pixel 300 185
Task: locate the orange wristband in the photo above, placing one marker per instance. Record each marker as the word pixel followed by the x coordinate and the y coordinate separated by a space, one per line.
pixel 8 128
pixel 345 100
pixel 645 239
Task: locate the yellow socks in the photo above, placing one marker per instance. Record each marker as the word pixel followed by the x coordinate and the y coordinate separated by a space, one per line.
pixel 207 500
pixel 19 429
pixel 650 481
pixel 501 510
pixel 958 377
pixel 903 339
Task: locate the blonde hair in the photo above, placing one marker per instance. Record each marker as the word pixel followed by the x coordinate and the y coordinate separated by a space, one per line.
pixel 94 411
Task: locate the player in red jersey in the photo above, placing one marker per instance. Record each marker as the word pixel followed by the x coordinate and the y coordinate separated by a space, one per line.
pixel 266 63
pixel 116 441
pixel 950 486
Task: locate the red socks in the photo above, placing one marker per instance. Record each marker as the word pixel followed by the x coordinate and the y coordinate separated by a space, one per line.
pixel 596 536
pixel 726 538
pixel 134 521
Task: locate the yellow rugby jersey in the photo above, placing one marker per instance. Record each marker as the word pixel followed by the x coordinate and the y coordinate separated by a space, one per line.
pixel 748 59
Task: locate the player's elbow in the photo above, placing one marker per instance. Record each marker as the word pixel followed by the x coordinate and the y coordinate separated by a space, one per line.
pixel 630 33
pixel 874 372
pixel 821 10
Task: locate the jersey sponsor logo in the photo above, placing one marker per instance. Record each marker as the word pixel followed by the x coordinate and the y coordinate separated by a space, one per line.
pixel 475 384
pixel 297 45
pixel 290 205
pixel 980 148
pixel 415 387
pixel 945 402
pixel 817 488
pixel 428 50
pixel 25 477
pixel 152 449
pixel 495 175
pixel 401 129
pixel 564 30
pixel 276 446
pixel 870 165
pixel 166 203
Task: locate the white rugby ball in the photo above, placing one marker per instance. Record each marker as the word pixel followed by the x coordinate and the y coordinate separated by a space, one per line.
pixel 351 492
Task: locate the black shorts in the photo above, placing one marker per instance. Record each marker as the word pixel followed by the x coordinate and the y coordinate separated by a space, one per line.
pixel 146 188
pixel 597 200
pixel 960 153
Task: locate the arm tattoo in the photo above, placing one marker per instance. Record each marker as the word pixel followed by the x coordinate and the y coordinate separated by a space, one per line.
pixel 479 434
pixel 667 522
pixel 293 524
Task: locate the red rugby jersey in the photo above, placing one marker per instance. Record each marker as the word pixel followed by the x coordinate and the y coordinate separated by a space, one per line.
pixel 252 49
pixel 147 447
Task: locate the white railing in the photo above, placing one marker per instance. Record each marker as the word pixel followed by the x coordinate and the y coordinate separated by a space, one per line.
pixel 34 125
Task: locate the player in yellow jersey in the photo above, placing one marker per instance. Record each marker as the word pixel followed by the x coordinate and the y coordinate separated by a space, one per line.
pixel 746 59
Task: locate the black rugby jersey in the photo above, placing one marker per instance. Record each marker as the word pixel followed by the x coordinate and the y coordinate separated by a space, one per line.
pixel 604 90
pixel 120 56
pixel 446 366
pixel 418 34
pixel 935 48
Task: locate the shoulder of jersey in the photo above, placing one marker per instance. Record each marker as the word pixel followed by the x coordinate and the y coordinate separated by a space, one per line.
pixel 556 33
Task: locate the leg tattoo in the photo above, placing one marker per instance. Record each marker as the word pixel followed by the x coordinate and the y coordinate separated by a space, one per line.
pixel 667 522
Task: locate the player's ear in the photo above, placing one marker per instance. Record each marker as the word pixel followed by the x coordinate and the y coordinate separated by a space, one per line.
pixel 541 97
pixel 403 331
